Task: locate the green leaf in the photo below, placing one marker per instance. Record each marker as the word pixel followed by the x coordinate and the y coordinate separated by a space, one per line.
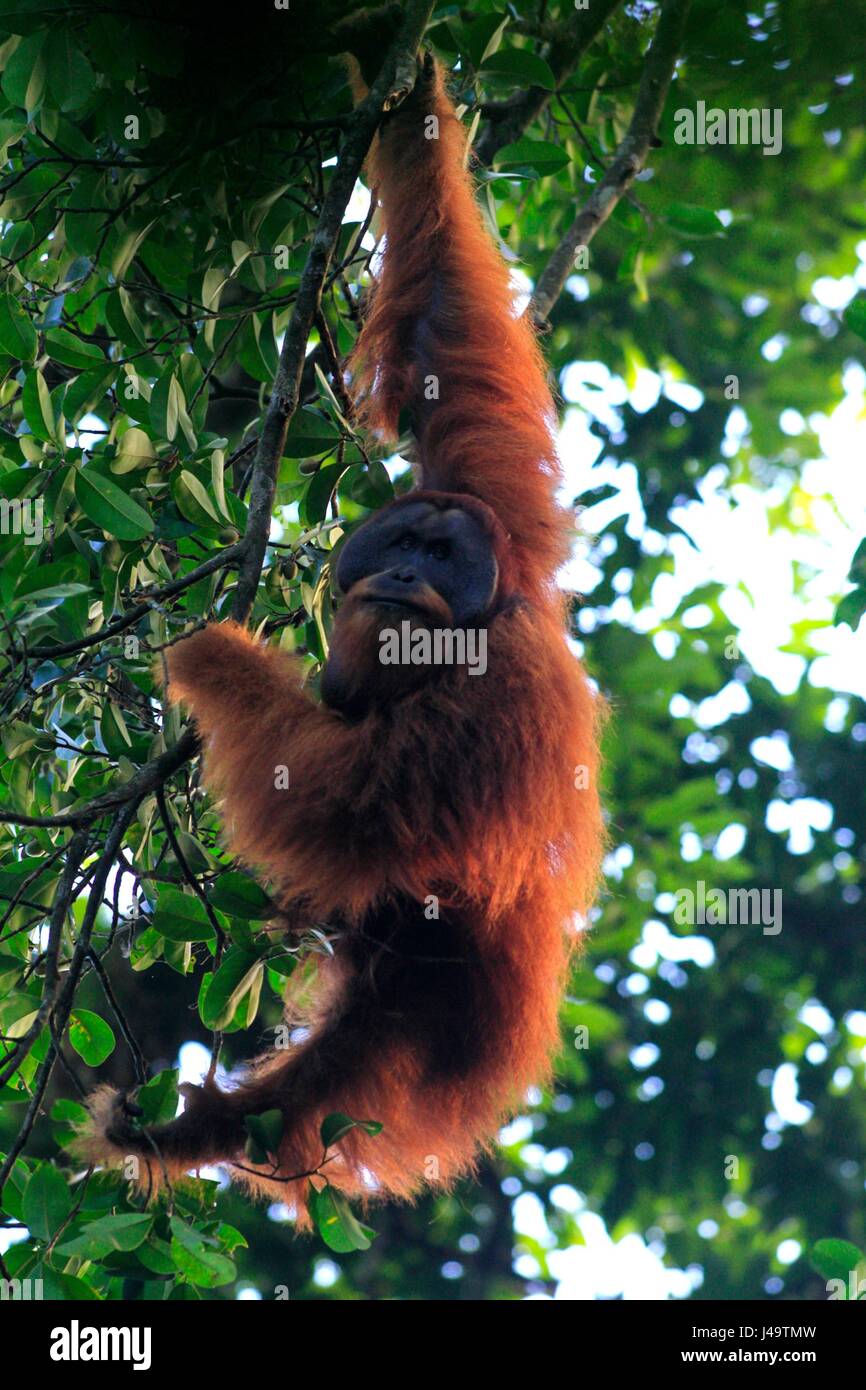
pixel 134 450
pixel 181 917
pixel 231 1238
pixel 11 130
pixel 47 1201
pixel 283 965
pixel 17 334
pixel 122 317
pixel 218 483
pixel 50 581
pixel 38 407
pixel 310 435
pixel 369 484
pixel 165 403
pixel 857 572
pixel 336 1223
pixel 519 67
pixel 91 1037
pixel 196 1258
pixel 60 1288
pixel 68 1112
pixel 156 1256
pixel 195 853
pixel 854 316
pixel 851 609
pixel 109 508
pixel 211 286
pixel 601 1023
pixel 25 72
pixel 266 1133
pixel 834 1259
pixel 193 500
pixel 178 955
pixel 71 351
pixel 87 392
pixel 482 37
pixel 541 155
pixel 258 350
pixel 127 246
pixel 17 240
pixel 334 1127
pixel 70 77
pixel 240 896
pixel 147 948
pixel 67 1117
pixel 126 1231
pixel 158 1098
pixel 693 221
pixel 239 974
pixel 631 268
pixel 18 737
pixel 314 506
pixel 11 970
pixel 115 734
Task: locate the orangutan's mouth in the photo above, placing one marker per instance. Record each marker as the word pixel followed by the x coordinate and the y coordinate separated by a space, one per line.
pixel 406 604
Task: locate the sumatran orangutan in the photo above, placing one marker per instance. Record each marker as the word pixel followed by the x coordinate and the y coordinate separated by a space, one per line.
pixel 444 823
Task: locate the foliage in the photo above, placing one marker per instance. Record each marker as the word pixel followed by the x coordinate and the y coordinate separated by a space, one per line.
pixel 160 190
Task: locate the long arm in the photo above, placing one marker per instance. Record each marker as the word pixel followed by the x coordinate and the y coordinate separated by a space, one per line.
pixel 459 796
pixel 225 675
pixel 443 339
pixel 269 750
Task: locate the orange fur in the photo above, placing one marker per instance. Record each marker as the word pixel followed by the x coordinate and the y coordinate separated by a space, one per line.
pixel 459 788
pixel 444 307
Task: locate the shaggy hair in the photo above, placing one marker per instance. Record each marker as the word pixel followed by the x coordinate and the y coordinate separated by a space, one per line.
pixel 446 832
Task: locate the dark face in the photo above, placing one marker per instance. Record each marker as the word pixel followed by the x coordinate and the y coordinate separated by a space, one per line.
pixel 408 550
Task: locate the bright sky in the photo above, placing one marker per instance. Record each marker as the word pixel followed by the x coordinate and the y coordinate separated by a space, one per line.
pixel 734 543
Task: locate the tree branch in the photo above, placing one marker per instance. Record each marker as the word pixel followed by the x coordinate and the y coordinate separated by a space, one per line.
pixel 50 984
pixel 138 1059
pixel 391 86
pixel 66 996
pixel 655 80
pixel 221 560
pixel 187 872
pixel 567 46
pixel 147 779
pixel 395 79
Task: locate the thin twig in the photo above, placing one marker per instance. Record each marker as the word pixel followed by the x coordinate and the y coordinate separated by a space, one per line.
pixel 508 120
pixel 393 82
pixel 628 161
pixel 138 1059
pixel 51 980
pixel 132 615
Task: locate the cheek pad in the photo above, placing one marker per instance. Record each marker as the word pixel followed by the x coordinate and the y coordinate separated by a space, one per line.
pixel 357 558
